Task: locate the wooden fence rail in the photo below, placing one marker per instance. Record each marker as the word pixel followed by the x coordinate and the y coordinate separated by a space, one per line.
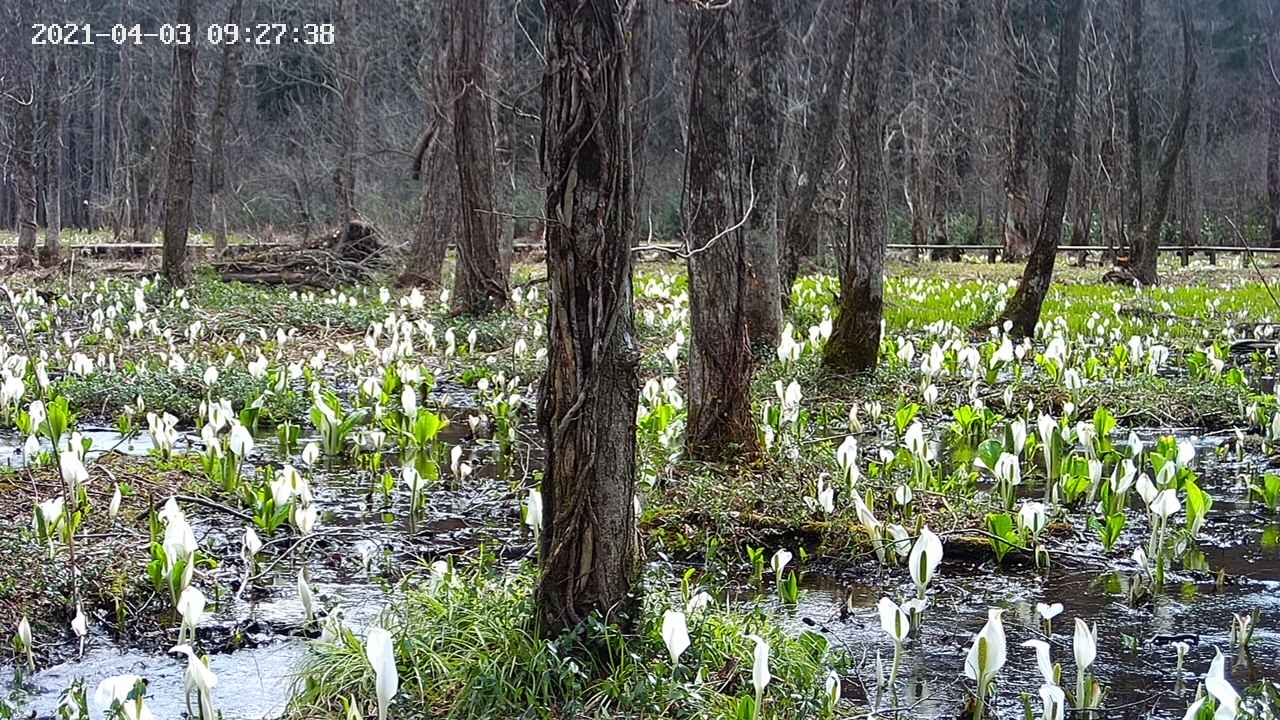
pixel 992 251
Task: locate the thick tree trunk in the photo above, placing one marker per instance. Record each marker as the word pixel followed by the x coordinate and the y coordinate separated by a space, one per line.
pixel 720 423
pixel 587 407
pixel 439 203
pixel 1133 109
pixel 175 266
pixel 761 43
pixel 49 254
pixel 818 155
pixel 437 212
pixel 1019 34
pixel 217 135
pixel 480 281
pixel 1145 270
pixel 1023 309
pixel 854 345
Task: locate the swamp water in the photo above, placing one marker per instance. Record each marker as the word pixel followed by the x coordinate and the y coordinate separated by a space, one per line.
pixel 356 536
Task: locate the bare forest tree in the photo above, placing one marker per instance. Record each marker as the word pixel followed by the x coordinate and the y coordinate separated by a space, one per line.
pixel 176 267
pixel 480 281
pixel 1271 81
pixel 760 40
pixel 19 89
pixel 854 345
pixel 587 407
pixel 296 139
pixel 717 196
pixel 227 79
pixel 1144 259
pixel 432 159
pixel 1020 29
pixel 1023 310
pixel 1134 19
pixel 348 70
pixel 51 252
pixel 1146 230
pixel 818 156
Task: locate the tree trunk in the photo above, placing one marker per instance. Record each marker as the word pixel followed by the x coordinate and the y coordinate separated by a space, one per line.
pixel 1023 309
pixel 854 345
pixel 123 213
pixel 217 135
pixel 503 104
pixel 1273 127
pixel 349 88
pixel 1145 271
pixel 818 156
pixel 49 255
pixel 761 42
pixel 587 406
pixel 144 168
pixel 175 266
pixel 720 423
pixel 438 199
pixel 1133 109
pixel 480 280
pixel 640 46
pixel 1019 117
pixel 24 170
pixel 21 96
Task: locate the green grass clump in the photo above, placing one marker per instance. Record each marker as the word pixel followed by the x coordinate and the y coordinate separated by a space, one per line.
pixel 105 394
pixel 467 648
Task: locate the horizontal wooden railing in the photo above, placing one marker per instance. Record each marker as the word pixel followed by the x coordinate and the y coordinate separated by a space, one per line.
pixel 990 250
pixel 149 247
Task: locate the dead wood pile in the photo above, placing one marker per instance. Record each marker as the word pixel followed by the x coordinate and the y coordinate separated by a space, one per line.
pixel 344 257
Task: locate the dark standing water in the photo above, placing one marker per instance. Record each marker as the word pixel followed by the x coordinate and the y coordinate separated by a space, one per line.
pixel 1136 659
pixel 359 535
pixel 356 524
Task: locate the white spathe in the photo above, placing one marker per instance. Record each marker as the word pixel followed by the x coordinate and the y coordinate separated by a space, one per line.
pixel 381 652
pixel 675 634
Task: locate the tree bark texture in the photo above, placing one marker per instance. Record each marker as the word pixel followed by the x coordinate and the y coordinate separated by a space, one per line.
pixel 24 173
pixel 348 115
pixel 720 423
pixel 640 47
pixel 1019 31
pixel 1133 110
pixel 50 253
pixel 1272 84
pixel 480 280
pixel 217 134
pixel 145 184
pixel 818 155
pixel 587 406
pixel 439 203
pixel 20 101
pixel 1023 309
pixel 854 345
pixel 762 47
pixel 1144 265
pixel 175 266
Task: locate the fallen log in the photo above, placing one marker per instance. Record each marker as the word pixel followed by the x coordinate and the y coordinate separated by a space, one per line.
pixel 344 257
